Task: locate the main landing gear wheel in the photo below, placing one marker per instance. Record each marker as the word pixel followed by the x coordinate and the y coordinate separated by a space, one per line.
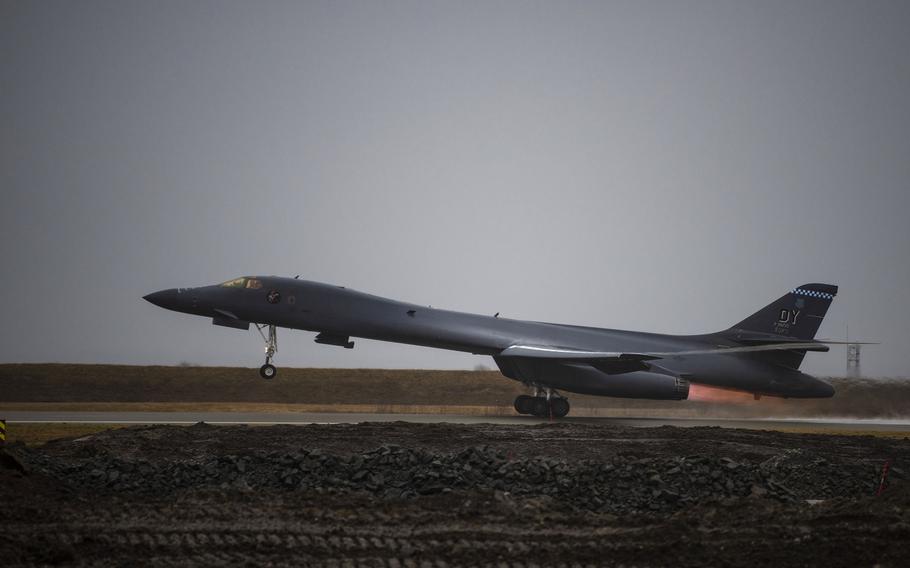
pixel 559 407
pixel 548 403
pixel 539 407
pixel 523 404
pixel 268 371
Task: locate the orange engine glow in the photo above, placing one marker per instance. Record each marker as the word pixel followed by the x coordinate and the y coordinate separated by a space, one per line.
pixel 705 393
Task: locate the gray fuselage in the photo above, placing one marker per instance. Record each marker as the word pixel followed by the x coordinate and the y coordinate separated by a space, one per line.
pixel 336 311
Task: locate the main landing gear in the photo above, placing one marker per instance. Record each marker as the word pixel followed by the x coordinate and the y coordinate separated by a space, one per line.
pixel 268 371
pixel 546 403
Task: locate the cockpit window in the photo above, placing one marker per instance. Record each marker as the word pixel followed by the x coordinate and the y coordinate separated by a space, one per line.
pixel 243 282
pixel 235 283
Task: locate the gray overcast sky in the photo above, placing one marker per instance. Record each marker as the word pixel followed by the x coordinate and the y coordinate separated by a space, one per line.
pixel 661 166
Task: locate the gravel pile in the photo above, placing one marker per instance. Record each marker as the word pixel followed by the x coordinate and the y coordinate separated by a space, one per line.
pixel 619 484
pixel 407 494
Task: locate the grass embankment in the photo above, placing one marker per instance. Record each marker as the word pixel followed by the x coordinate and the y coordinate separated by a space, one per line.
pixel 38 434
pixel 161 388
pixel 123 383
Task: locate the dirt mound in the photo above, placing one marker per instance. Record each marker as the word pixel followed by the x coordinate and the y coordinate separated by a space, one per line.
pixel 440 494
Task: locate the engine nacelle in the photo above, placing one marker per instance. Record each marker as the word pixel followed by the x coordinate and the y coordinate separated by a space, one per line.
pixel 644 384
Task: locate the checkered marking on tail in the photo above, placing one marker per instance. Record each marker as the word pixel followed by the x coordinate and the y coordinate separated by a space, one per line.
pixel 812 293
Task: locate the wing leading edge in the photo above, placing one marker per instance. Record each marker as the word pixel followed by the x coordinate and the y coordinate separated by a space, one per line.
pixel 607 357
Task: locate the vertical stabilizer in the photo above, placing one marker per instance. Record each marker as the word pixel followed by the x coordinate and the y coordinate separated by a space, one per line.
pixel 794 316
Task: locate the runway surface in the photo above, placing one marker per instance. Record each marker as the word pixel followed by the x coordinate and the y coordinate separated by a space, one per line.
pixel 838 424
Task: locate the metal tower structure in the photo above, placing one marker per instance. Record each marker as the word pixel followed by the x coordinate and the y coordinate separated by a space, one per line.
pixel 853 351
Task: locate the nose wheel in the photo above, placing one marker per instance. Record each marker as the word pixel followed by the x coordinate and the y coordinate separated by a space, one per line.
pixel 268 371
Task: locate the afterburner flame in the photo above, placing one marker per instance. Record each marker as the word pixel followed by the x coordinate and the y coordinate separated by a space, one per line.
pixel 705 393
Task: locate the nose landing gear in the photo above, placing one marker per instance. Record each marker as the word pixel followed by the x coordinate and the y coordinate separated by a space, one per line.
pixel 268 371
pixel 545 404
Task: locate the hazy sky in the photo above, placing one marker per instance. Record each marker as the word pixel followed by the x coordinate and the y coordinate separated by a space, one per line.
pixel 660 166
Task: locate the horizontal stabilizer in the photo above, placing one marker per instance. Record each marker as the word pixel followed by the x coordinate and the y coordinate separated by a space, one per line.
pixel 721 350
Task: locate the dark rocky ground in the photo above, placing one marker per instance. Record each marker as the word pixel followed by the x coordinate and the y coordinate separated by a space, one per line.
pixel 404 494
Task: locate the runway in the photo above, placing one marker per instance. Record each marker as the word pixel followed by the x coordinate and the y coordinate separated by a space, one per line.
pixel 265 418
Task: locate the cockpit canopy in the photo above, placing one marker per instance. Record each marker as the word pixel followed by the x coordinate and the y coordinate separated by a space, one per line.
pixel 243 282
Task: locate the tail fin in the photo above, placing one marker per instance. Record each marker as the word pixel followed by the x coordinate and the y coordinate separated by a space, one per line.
pixel 794 316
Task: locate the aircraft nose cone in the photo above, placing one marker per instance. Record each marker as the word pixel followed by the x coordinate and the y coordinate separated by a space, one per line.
pixel 162 298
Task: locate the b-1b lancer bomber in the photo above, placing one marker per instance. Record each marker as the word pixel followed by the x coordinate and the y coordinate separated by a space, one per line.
pixel 760 355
